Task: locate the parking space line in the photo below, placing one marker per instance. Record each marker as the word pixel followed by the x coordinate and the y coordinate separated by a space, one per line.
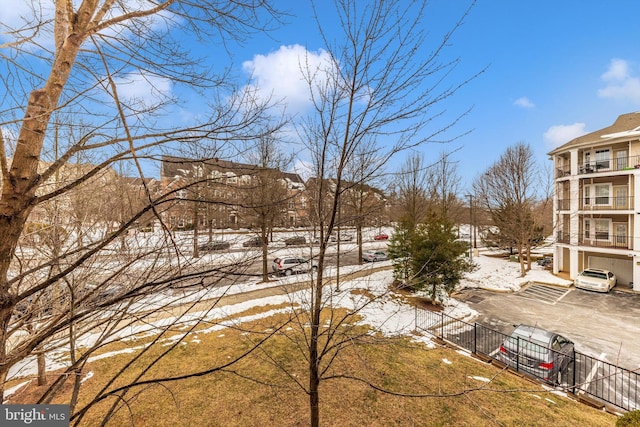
pixel 592 374
pixel 543 293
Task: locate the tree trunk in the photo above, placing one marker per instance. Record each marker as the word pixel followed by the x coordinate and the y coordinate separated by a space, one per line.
pixel 263 238
pixel 359 240
pixel 42 368
pixel 521 259
pixel 196 252
pixel 314 360
pixel 20 184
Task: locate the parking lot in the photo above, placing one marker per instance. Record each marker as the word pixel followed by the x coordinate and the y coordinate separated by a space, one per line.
pixel 606 326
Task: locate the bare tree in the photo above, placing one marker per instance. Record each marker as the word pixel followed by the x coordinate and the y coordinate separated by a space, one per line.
pixel 269 194
pixel 375 92
pixel 444 183
pixel 413 191
pixel 362 200
pixel 508 191
pixel 78 62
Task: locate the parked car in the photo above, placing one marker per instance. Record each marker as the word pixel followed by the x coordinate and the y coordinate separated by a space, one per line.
pixel 537 352
pixel 381 236
pixel 545 261
pixel 595 279
pixel 371 256
pixel 295 240
pixel 254 242
pixel 293 265
pixel 215 245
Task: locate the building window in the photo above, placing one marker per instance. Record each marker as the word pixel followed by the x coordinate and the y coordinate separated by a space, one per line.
pixel 587 229
pixel 621 234
pixel 601 192
pixel 597 229
pixel 620 197
pixel 602 227
pixel 622 159
pixel 603 159
pixel 587 195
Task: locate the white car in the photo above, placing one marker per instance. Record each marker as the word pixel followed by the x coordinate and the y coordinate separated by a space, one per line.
pixel 595 279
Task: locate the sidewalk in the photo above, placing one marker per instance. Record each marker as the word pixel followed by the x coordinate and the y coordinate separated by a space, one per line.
pixel 237 298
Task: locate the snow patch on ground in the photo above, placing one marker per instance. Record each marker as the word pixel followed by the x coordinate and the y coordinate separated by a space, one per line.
pixel 385 314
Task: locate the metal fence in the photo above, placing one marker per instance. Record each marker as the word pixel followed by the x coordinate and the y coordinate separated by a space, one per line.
pixel 575 372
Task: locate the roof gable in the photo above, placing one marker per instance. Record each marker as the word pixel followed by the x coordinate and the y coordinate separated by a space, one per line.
pixel 626 125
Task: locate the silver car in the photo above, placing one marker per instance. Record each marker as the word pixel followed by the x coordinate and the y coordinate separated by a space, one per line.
pixel 537 352
pixel 289 265
pixel 371 256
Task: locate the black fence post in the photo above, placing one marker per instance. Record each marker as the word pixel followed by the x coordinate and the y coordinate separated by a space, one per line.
pixel 475 338
pixel 518 354
pixel 442 324
pixel 575 366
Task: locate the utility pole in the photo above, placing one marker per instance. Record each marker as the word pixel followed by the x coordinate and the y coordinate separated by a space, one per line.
pixel 470 196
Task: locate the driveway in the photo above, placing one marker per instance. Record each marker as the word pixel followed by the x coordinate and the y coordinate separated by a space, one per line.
pixel 606 326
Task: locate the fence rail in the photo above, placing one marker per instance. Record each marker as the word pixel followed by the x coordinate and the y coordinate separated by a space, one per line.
pixel 574 371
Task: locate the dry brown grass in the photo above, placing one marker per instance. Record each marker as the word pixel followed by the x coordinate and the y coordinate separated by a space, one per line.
pixel 257 392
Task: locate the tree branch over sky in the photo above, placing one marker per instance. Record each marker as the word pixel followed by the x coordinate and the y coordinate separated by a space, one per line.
pixel 375 97
pixel 111 74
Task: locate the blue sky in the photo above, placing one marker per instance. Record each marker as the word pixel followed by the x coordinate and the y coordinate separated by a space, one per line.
pixel 554 70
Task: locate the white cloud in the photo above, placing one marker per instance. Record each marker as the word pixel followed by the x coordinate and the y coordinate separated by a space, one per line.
pixel 304 168
pixel 139 89
pixel 278 75
pixel 19 12
pixel 524 102
pixel 560 134
pixel 620 83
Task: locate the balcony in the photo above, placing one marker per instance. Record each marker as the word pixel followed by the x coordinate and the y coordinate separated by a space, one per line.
pixel 603 203
pixel 563 171
pixel 610 165
pixel 604 240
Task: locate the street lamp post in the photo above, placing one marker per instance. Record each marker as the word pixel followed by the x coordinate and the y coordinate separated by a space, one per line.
pixel 470 196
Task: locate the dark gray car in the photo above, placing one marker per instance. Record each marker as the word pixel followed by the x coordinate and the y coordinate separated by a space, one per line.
pixel 537 352
pixel 216 245
pixel 295 240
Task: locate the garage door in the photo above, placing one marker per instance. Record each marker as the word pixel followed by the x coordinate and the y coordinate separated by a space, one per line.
pixel 622 268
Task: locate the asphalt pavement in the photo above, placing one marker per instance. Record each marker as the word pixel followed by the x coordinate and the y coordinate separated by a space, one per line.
pixel 606 326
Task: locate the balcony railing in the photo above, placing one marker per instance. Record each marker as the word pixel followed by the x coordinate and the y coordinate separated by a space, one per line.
pixel 610 165
pixel 603 165
pixel 563 171
pixel 601 240
pixel 602 203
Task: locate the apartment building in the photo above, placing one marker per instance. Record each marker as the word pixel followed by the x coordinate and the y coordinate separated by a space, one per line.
pixel 597 202
pixel 225 194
